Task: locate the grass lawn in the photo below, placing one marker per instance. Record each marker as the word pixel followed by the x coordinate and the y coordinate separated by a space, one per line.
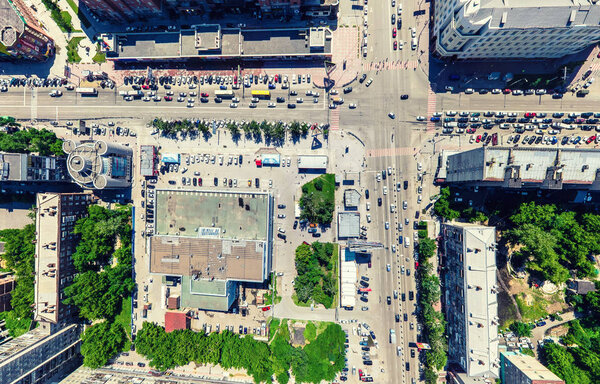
pixel 334 261
pixel 73 6
pixel 99 57
pixel 269 296
pixel 532 312
pixel 299 303
pixel 124 318
pixel 72 55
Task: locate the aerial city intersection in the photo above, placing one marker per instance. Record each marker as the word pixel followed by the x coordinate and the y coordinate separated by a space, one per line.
pixel 299 191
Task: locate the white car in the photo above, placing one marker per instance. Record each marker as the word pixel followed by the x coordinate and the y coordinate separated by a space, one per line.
pixel 272 105
pixel 469 91
pixel 404 205
pixel 387 225
pixel 351 105
pixel 496 91
pixel 233 105
pixel 384 190
pixel 451 113
pixel 281 230
pixel 420 118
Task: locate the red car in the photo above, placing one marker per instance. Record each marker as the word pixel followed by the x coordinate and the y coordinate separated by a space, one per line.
pixel 204 94
pixel 478 139
pixel 199 181
pixel 168 98
pixel 395 45
pixel 598 54
pixel 394 32
pixel 507 91
pixel 265 309
pixel 276 78
pixel 416 264
pixel 590 139
pixel 471 130
pixel 530 114
pixel 145 86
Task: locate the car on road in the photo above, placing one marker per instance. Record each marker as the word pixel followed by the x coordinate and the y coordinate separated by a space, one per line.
pixel 389 300
pixel 369 82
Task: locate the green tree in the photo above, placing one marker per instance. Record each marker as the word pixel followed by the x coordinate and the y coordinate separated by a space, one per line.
pixel 442 206
pixel 521 329
pixel 561 362
pixel 101 342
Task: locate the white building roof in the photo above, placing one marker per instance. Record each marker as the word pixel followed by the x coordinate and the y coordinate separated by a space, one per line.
pixel 348 224
pixel 348 276
pixel 312 162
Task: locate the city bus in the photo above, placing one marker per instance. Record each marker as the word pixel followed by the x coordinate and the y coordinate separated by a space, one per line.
pixel 87 91
pixel 265 95
pixel 224 94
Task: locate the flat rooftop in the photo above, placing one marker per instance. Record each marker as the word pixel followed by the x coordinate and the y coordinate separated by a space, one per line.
pixel 208 258
pixel 202 213
pixel 532 368
pixel 14 346
pixel 228 42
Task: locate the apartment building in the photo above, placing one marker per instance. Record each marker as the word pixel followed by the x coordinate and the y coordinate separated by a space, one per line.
pixel 21 36
pixel 483 29
pixel 122 10
pixel 40 355
pixel 516 168
pixel 522 369
pixel 56 215
pixel 469 260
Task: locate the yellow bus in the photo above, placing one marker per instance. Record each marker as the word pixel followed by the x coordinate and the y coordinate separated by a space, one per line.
pixel 265 95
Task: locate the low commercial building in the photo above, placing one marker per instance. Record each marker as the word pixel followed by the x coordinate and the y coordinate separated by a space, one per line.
pixel 351 199
pixel 470 298
pixel 7 284
pixel 176 320
pixel 212 253
pixel 21 35
pixel 348 278
pixel 26 167
pixel 348 225
pixel 56 216
pixel 312 163
pixel 474 29
pixel 148 161
pixel 211 42
pixel 544 168
pixel 523 369
pixel 97 164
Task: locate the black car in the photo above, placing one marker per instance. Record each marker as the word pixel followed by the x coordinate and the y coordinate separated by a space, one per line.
pixel 295 224
pixel 407 367
pixel 372 335
pixel 364 298
pixel 367 362
pixel 366 349
pixel 404 97
pixel 405 185
pixel 404 299
pixel 218 100
pixel 366 193
pixel 379 201
pixel 389 300
pixel 204 99
pixel 564 140
pixel 281 99
pixel 362 78
pixel 347 89
pixel 405 316
pixel 216 180
pixel 241 158
pixel 365 278
pixel 397 317
pixel 393 18
pixel 281 206
pixel 291 106
pixel 383 175
pixel 517 138
pixel 411 295
pixel 364 284
pixel 538 140
pixel 257 182
pixel 412 353
pixel 282 236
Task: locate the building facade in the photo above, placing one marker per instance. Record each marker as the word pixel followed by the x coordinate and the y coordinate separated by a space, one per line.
pixel 523 369
pixel 122 10
pixel 97 164
pixel 23 167
pixel 21 36
pixel 483 29
pixel 469 260
pixel 56 215
pixel 7 284
pixel 39 355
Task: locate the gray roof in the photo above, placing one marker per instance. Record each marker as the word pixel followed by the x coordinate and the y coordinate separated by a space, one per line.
pixel 548 14
pixel 351 198
pixel 12 24
pixel 147 160
pixel 531 165
pixel 348 224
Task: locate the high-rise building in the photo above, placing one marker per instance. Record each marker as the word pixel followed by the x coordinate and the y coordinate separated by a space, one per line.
pixel 470 298
pixel 40 355
pixel 522 369
pixel 56 215
pixel 21 36
pixel 122 10
pixel 97 164
pixel 483 29
pixel 29 167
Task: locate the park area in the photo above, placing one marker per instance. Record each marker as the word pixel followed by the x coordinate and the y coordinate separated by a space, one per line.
pixel 318 200
pixel 316 280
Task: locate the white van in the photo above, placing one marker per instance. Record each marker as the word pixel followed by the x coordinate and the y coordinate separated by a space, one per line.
pixel 413 43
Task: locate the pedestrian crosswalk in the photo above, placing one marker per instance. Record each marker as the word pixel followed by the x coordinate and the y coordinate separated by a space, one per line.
pixel 431 103
pixel 390 65
pixel 334 119
pixel 390 152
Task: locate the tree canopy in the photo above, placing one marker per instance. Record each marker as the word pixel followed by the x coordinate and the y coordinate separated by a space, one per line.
pixel 554 241
pixel 318 200
pixel 317 361
pixel 315 280
pixel 43 142
pixel 100 342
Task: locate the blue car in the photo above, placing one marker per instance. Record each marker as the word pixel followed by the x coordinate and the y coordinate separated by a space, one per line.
pixel 435 118
pixel 223 87
pixel 554 140
pixel 271 86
